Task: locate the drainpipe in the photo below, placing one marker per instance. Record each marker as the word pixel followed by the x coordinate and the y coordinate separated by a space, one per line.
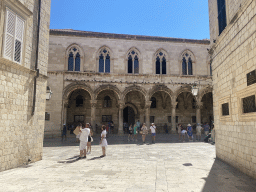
pixel 36 64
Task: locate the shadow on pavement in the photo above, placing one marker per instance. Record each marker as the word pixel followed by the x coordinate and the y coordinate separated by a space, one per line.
pixel 223 177
pixel 71 159
pixel 95 158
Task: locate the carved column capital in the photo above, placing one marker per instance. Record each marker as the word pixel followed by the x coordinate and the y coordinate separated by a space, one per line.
pixel 93 103
pixel 65 103
pixel 148 104
pixel 174 104
pixel 121 104
pixel 199 105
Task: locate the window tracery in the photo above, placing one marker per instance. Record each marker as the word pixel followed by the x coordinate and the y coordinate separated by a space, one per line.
pixel 160 63
pixel 133 62
pixel 74 59
pixel 104 61
pixel 187 64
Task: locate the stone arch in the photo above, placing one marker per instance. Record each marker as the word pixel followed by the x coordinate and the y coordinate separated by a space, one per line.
pixel 132 106
pixel 182 89
pixel 81 52
pixel 74 86
pixel 189 52
pixel 135 88
pixel 108 87
pixel 157 88
pixel 203 92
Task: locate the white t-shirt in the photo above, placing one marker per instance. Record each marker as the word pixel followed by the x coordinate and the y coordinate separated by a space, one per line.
pixel 84 135
pixel 153 129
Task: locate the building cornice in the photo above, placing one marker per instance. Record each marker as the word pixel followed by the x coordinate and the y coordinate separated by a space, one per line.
pixel 76 33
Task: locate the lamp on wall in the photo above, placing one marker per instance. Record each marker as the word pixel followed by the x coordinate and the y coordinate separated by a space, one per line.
pixel 48 93
pixel 194 89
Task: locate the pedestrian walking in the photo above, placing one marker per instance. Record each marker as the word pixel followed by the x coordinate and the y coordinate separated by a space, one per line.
pixel 84 133
pixel 190 132
pixel 153 132
pixel 103 140
pixel 179 131
pixel 135 132
pixel 206 129
pixel 89 143
pixel 198 131
pixel 64 132
pixel 138 125
pixel 144 130
pixel 130 135
pixel 183 133
pixel 78 135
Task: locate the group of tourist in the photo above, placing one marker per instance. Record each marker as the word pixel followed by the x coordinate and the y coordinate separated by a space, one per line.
pixel 182 131
pixel 84 134
pixel 136 129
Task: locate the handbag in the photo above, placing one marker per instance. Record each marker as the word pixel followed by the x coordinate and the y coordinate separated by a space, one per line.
pixel 91 139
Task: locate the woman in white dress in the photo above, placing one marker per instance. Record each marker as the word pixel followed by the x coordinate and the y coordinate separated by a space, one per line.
pixel 103 141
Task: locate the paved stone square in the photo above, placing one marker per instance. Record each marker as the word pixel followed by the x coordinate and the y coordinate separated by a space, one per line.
pixel 168 165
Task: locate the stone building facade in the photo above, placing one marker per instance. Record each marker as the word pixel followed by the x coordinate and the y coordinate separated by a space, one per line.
pixel 233 58
pixel 101 77
pixel 22 108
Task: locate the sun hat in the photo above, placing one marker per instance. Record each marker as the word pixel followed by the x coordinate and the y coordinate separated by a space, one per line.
pixel 188 125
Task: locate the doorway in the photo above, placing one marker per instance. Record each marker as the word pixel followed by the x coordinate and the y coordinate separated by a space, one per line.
pixel 129 115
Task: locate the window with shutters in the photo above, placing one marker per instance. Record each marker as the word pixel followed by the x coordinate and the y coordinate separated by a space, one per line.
pixel 13 40
pixel 222 15
pixel 104 61
pixel 160 62
pixel 74 59
pixel 133 62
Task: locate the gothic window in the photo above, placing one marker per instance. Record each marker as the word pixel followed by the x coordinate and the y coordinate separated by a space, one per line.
pixel 14 32
pixel 160 63
pixel 107 102
pixel 104 61
pixel 133 62
pixel 79 101
pixel 187 64
pixel 153 102
pixel 74 59
pixel 222 15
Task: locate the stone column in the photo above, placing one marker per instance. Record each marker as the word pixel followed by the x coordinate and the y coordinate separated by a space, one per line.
pixel 65 110
pixel 174 104
pixel 120 113
pixel 147 111
pixel 199 106
pixel 93 112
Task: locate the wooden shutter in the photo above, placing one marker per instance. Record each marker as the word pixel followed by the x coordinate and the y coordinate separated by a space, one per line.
pixel 14 30
pixel 9 34
pixel 18 39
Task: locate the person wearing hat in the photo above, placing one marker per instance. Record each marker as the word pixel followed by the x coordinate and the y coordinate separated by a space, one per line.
pixel 198 131
pixel 64 132
pixel 153 132
pixel 84 133
pixel 190 132
pixel 144 130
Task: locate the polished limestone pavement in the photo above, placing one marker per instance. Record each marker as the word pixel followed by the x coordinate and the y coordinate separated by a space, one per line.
pixel 168 165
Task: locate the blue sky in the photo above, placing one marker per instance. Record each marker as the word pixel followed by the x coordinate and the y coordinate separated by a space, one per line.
pixel 167 18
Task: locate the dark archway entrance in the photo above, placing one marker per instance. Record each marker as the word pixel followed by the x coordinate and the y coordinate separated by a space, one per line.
pixel 129 115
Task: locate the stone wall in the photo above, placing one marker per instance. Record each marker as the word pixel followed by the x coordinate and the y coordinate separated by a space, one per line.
pixel 21 138
pixel 233 57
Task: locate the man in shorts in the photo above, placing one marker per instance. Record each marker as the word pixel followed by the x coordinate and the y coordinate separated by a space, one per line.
pixel 153 132
pixel 84 133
